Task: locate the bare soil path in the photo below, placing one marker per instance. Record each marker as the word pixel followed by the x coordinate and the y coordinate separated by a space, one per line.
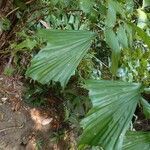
pixel 23 127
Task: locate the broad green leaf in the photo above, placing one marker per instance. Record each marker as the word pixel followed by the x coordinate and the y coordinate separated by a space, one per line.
pixel 114 104
pixel 146 3
pixel 118 7
pixel 146 108
pixel 26 44
pixel 122 36
pixel 147 90
pixel 102 9
pixel 71 19
pixel 59 59
pixel 141 33
pixel 114 8
pixel 86 5
pixel 54 2
pixel 129 6
pixel 142 19
pixel 112 41
pixel 111 16
pixel 137 141
pixel 129 32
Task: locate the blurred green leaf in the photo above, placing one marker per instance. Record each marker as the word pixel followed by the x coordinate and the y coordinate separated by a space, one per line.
pixel 142 19
pixel 86 5
pixel 111 16
pixel 146 108
pixel 118 8
pixel 129 32
pixel 20 3
pixel 137 141
pixel 4 24
pixel 114 8
pixel 147 90
pixel 28 44
pixel 102 9
pixel 8 71
pixel 146 3
pixel 141 33
pixel 112 41
pixel 122 36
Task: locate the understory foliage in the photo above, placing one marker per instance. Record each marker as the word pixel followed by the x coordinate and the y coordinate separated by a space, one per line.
pixel 105 45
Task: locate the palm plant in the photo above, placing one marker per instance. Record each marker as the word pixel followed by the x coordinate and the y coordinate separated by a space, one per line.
pixel 114 102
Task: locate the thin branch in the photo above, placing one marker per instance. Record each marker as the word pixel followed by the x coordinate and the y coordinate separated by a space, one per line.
pixel 28 2
pixel 12 11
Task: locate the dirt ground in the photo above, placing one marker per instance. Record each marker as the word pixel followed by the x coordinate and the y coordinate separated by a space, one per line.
pixel 27 128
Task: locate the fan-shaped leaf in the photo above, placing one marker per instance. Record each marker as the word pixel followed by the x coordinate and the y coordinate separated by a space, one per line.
pixel 137 141
pixel 113 106
pixel 59 59
pixel 146 108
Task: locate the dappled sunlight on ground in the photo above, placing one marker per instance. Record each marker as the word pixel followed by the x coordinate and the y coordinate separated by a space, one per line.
pixel 42 120
pixel 23 127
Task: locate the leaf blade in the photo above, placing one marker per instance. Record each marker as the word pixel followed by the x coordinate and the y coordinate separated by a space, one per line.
pixel 59 59
pixel 146 108
pixel 137 141
pixel 113 106
pixel 112 41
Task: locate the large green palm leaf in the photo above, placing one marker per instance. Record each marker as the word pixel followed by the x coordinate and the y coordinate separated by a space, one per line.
pixel 137 141
pixel 59 59
pixel 114 104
